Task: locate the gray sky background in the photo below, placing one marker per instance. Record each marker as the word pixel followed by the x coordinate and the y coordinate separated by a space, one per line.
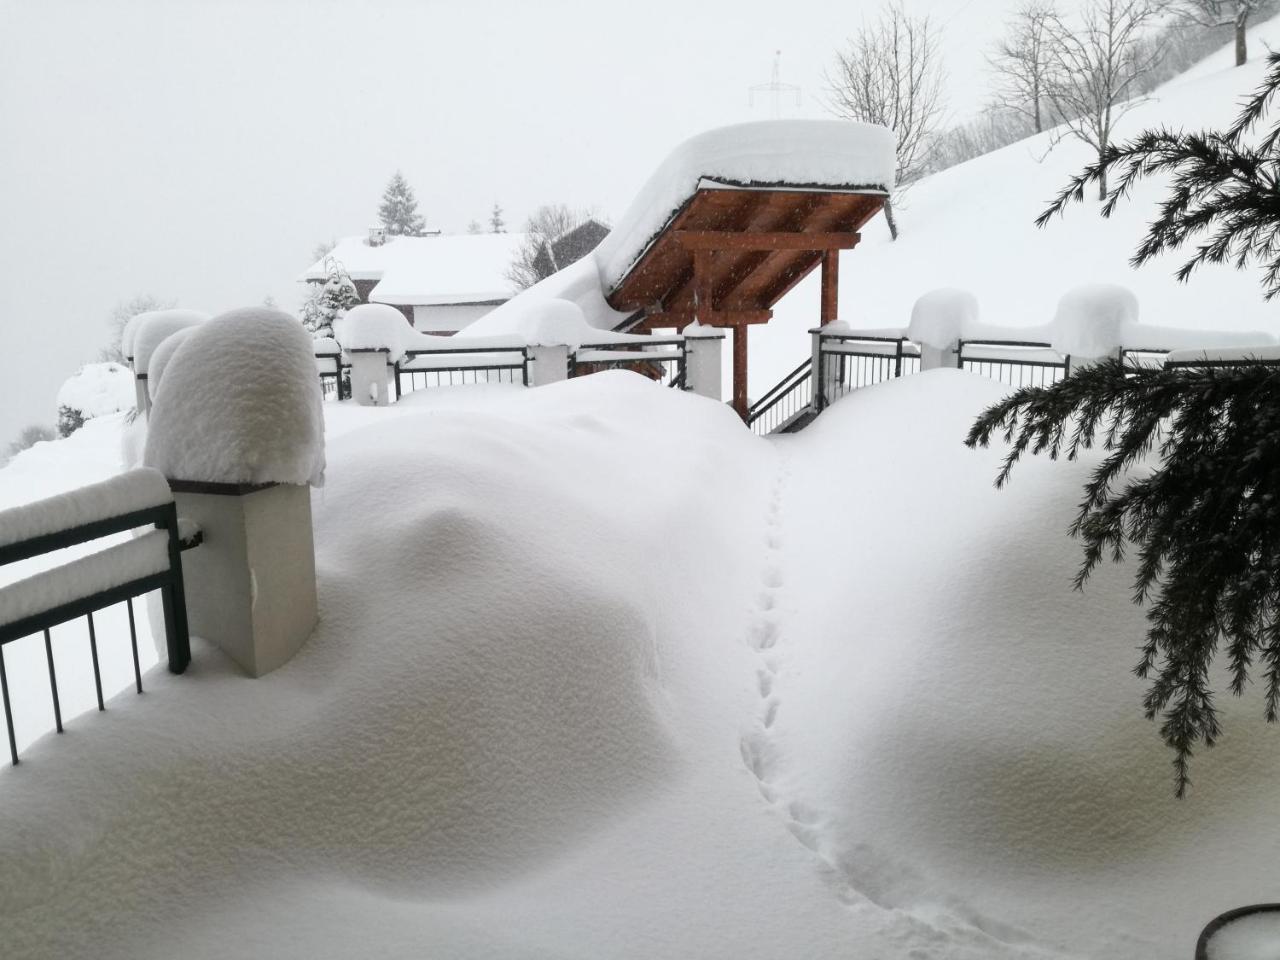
pixel 199 150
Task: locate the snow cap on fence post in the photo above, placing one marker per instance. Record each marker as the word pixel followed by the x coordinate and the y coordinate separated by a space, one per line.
pixel 238 429
pixel 143 334
pixel 1091 321
pixel 374 336
pixel 702 348
pixel 938 321
pixel 554 327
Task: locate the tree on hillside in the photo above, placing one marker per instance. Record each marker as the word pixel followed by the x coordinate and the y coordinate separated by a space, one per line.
pixel 539 255
pixel 496 223
pixel 399 209
pixel 29 436
pixel 1224 13
pixel 1024 61
pixel 1202 516
pixel 121 314
pixel 891 74
pixel 474 227
pixel 1098 66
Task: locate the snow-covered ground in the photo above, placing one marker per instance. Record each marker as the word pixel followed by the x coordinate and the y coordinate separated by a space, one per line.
pixel 601 674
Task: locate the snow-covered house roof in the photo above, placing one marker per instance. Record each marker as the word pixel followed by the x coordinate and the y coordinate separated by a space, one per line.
pixel 421 271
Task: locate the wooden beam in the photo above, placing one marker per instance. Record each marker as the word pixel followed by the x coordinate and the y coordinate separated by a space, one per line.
pixel 740 371
pixel 679 319
pixel 830 286
pixel 702 303
pixel 765 240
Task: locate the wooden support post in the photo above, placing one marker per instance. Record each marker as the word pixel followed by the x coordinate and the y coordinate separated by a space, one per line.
pixel 702 305
pixel 740 370
pixel 830 286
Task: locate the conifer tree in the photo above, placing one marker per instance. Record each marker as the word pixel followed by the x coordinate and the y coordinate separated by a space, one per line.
pixel 399 209
pixel 328 301
pixel 1203 515
pixel 496 223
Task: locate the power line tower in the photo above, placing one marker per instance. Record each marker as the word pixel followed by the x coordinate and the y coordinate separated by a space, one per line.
pixel 775 88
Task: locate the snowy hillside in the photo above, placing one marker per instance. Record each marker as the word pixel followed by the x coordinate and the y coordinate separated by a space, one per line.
pixel 973 227
pixel 601 674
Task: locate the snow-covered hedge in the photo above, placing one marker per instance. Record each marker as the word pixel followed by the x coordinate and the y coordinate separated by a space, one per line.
pixel 97 389
pixel 240 403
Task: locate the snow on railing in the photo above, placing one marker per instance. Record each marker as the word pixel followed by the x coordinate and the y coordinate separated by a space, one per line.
pixel 83 586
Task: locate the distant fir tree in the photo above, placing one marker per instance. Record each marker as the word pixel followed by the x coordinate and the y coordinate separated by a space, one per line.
pixel 330 300
pixel 496 223
pixel 474 227
pixel 1203 517
pixel 399 209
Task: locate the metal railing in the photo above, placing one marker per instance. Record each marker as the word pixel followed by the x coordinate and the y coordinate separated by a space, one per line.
pixel 1019 363
pixel 456 366
pixel 658 358
pixel 850 362
pixel 790 398
pixel 168 581
pixel 335 376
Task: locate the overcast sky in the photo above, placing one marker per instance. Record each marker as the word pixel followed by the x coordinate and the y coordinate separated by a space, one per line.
pixel 198 151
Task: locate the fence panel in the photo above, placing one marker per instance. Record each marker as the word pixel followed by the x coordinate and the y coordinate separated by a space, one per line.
pixel 453 367
pixel 1019 363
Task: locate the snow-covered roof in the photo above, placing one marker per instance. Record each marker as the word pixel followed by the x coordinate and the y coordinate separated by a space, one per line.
pixel 791 154
pixel 421 271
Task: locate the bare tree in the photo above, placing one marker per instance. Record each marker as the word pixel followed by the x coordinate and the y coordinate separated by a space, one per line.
pixel 1024 61
pixel 891 74
pixel 995 127
pixel 1099 65
pixel 121 314
pixel 1224 13
pixel 550 245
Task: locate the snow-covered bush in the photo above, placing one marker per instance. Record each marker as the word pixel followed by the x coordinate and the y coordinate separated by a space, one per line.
pixel 96 390
pixel 328 302
pixel 240 403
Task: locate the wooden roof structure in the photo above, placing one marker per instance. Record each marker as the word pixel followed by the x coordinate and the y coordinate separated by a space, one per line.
pixel 730 253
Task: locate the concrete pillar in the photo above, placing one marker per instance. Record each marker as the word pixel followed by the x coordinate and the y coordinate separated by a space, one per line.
pixel 549 364
pixel 937 358
pixel 251 585
pixel 369 377
pixel 141 396
pixel 702 365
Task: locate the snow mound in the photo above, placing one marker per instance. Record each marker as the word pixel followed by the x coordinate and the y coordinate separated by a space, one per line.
pixel 152 330
pixel 377 326
pixel 161 356
pixel 99 389
pixel 1091 320
pixel 241 404
pixel 1255 936
pixel 939 318
pixel 831 154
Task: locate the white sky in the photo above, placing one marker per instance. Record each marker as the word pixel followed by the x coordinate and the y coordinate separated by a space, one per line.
pixel 199 150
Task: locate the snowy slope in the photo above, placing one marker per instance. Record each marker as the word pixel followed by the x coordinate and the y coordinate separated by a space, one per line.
pixel 973 227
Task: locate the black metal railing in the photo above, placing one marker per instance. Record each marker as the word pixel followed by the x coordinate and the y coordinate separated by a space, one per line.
pixel 335 376
pixel 1019 363
pixel 789 398
pixel 461 365
pixel 660 358
pixel 168 581
pixel 852 361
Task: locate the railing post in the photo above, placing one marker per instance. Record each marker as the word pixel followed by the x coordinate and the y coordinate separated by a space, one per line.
pixel 551 363
pixel 173 596
pixel 937 358
pixel 702 364
pixel 369 377
pixel 819 373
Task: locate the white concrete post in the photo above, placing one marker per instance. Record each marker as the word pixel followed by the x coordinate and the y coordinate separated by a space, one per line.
pixel 141 397
pixel 702 365
pixel 251 585
pixel 550 364
pixel 938 358
pixel 369 377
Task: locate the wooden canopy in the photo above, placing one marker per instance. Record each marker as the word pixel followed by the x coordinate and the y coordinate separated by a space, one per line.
pixel 729 254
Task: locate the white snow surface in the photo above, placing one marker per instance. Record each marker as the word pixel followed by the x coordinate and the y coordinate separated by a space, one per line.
pixel 99 389
pixel 377 326
pixel 120 494
pixel 161 356
pixel 130 331
pixel 830 154
pixel 240 403
pixel 1266 353
pixel 85 576
pixel 1091 319
pixel 940 317
pixel 829 695
pixel 154 329
pixel 1252 937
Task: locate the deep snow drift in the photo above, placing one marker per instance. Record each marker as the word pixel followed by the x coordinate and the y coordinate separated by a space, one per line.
pixel 600 674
